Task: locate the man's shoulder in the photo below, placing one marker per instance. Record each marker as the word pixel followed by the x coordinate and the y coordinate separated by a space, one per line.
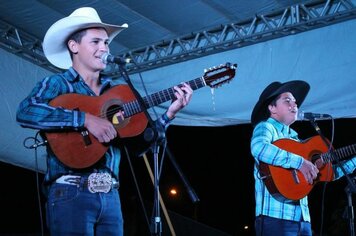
pixel 266 124
pixel 59 77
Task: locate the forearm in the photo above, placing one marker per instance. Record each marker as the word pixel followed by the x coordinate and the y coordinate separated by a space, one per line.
pixel 44 117
pixel 263 149
pixel 349 166
pixel 36 112
pixel 272 155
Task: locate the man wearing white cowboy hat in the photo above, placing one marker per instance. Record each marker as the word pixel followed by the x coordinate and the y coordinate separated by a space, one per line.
pixel 81 201
pixel 271 117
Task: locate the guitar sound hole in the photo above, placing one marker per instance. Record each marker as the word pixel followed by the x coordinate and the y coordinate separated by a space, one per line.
pixel 318 163
pixel 110 114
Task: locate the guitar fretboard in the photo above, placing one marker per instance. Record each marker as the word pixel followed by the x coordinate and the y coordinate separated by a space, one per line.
pixel 133 107
pixel 339 154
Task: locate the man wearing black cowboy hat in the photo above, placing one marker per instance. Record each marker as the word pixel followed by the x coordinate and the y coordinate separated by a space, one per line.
pixel 82 201
pixel 275 111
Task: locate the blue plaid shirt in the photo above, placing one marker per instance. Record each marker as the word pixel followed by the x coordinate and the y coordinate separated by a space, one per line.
pixel 262 149
pixel 35 112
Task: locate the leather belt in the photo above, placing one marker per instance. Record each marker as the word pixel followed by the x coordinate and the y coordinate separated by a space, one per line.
pixel 95 182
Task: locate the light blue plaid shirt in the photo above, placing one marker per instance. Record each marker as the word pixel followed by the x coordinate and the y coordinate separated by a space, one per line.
pixel 262 149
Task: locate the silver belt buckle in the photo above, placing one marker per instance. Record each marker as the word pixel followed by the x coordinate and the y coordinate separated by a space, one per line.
pixel 99 182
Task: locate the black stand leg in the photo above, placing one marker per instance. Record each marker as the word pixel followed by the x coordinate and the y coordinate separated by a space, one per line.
pixel 156 224
pixel 350 210
pixel 156 136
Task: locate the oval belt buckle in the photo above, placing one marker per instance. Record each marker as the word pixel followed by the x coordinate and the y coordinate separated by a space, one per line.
pixel 99 182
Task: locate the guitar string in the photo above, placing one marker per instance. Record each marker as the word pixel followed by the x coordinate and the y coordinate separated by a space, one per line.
pixel 341 153
pixel 133 107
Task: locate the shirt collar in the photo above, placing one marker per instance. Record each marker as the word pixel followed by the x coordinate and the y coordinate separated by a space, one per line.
pixel 73 75
pixel 284 129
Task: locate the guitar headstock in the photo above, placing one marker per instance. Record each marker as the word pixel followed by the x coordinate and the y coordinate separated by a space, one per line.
pixel 218 75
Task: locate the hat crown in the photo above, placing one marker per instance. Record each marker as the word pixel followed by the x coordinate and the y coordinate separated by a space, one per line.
pixel 270 89
pixel 88 12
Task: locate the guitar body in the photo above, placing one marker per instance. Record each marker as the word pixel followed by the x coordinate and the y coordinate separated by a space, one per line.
pixel 290 183
pixel 71 146
pixel 80 149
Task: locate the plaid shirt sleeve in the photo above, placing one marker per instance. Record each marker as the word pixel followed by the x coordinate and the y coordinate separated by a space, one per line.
pixel 35 112
pixel 349 167
pixel 263 150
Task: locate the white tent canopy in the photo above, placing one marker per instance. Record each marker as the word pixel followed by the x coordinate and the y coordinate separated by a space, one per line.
pixel 324 57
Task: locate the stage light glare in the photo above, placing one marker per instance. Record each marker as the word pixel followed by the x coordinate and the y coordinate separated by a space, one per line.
pixel 173 192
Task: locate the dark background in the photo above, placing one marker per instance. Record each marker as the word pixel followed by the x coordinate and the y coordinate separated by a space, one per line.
pixel 214 162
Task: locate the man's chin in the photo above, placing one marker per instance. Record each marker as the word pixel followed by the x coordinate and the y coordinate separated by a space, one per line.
pixel 101 67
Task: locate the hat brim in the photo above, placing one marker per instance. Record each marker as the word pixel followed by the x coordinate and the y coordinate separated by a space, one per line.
pixel 54 43
pixel 298 88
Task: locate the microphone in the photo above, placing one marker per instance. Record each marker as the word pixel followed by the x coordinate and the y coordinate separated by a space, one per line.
pixel 312 116
pixel 108 58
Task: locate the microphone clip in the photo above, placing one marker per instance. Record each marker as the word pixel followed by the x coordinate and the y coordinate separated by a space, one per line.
pixel 108 58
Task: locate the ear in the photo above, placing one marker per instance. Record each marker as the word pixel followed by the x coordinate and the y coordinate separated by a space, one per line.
pixel 272 109
pixel 72 46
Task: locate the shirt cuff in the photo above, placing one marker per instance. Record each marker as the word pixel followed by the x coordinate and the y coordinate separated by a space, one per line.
pixel 78 119
pixel 296 161
pixel 165 121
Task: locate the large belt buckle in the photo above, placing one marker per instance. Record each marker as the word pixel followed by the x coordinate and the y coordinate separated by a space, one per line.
pixel 99 182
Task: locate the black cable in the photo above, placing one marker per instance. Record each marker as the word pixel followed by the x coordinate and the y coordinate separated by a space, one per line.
pixel 330 146
pixel 162 158
pixel 37 143
pixel 325 183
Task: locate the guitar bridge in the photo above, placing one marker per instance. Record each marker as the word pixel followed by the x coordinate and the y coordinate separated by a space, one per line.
pixel 295 177
pixel 86 138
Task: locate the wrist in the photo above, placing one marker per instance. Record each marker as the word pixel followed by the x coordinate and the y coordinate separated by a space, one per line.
pixel 169 115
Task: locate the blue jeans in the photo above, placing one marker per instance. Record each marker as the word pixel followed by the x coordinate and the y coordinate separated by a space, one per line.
pixel 73 210
pixel 269 226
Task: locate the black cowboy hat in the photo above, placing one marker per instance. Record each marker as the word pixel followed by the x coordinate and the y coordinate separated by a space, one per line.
pixel 298 88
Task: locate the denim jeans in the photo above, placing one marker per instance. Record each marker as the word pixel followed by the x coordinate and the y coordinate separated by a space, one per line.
pixel 269 226
pixel 73 210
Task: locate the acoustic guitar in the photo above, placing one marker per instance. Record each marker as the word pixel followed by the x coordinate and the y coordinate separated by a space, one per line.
pixel 80 149
pixel 290 183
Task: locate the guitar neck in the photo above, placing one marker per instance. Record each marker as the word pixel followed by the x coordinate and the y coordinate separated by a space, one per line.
pixel 339 154
pixel 133 107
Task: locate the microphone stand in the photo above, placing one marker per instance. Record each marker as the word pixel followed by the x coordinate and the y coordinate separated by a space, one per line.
pixel 351 185
pixel 156 135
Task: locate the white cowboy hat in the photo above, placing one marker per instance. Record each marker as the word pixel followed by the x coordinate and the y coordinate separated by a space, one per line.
pixel 54 42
